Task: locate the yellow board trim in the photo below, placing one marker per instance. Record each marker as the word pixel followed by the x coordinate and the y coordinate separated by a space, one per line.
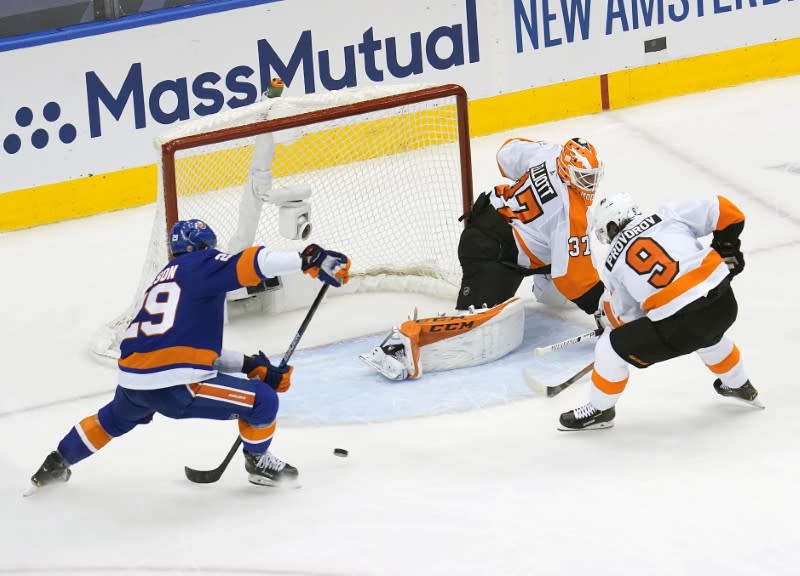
pixel 137 186
pixel 77 198
pixel 706 72
pixel 534 106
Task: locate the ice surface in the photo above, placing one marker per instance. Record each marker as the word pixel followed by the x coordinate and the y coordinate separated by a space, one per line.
pixel 687 483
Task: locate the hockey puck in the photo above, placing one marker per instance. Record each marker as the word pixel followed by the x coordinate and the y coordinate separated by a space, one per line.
pixel 341 452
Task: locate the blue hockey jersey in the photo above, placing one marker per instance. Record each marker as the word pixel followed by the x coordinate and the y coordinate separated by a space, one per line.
pixel 177 334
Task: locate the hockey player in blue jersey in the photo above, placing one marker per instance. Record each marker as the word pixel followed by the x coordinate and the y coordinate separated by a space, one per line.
pixel 172 361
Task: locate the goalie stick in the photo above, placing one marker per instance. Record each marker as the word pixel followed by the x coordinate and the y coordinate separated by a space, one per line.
pixel 210 476
pixel 551 390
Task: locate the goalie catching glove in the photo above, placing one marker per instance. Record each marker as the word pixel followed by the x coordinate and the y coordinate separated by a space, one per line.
pixel 327 266
pixel 467 338
pixel 259 366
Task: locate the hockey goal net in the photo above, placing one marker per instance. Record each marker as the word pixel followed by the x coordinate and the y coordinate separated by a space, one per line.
pixel 380 173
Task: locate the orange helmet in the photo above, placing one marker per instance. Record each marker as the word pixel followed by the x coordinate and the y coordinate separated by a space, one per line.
pixel 579 167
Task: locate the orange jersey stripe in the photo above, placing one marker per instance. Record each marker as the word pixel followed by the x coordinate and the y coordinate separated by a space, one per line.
pixel 254 434
pixel 233 395
pixel 534 261
pixel 728 214
pixel 615 322
pixel 168 356
pixel 94 433
pixel 581 275
pixel 607 386
pixel 684 283
pixel 727 364
pixel 246 267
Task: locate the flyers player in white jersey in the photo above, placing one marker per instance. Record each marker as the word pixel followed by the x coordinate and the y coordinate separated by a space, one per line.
pixel 668 294
pixel 535 226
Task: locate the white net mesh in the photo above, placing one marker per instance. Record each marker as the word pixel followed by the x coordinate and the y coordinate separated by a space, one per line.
pixel 386 189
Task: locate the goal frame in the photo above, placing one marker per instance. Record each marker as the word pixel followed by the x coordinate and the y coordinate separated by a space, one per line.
pixel 171 147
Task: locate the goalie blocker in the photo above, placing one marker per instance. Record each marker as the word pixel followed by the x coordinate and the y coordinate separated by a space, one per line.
pixel 468 338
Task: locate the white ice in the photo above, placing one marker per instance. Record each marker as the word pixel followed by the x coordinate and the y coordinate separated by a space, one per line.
pixel 687 483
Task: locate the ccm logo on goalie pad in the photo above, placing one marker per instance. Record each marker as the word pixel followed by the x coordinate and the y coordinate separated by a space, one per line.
pixel 447 324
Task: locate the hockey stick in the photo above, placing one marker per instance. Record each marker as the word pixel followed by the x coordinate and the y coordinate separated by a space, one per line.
pixel 541 351
pixel 210 476
pixel 554 389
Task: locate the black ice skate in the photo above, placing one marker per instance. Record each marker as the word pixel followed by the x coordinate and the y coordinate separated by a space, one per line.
pixel 587 417
pixel 267 470
pixel 746 393
pixel 53 469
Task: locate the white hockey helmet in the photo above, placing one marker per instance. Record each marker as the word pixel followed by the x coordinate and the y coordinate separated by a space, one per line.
pixel 611 215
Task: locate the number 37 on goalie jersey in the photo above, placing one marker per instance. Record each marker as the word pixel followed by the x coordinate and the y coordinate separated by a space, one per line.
pixel 526 199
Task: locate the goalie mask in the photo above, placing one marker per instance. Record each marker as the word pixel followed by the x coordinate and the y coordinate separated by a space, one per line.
pixel 579 167
pixel 612 215
pixel 190 236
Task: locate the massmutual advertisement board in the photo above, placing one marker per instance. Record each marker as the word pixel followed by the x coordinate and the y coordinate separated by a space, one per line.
pixel 92 104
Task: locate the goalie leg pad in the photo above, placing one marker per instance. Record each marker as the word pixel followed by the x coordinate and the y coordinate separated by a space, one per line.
pixel 478 336
pixel 467 338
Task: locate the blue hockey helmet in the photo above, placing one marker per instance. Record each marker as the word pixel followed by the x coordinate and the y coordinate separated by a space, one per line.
pixel 191 235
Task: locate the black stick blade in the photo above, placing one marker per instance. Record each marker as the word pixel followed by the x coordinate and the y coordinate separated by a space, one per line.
pixel 203 476
pixel 211 476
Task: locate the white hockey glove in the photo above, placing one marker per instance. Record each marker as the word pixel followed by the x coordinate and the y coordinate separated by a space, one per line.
pixel 606 317
pixel 602 321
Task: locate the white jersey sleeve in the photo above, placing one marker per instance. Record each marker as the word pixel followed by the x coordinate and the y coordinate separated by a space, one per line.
pixel 534 206
pixel 274 263
pixel 229 361
pixel 516 156
pixel 700 216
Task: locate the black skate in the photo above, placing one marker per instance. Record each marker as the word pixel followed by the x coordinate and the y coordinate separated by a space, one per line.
pixel 53 469
pixel 746 393
pixel 267 470
pixel 587 417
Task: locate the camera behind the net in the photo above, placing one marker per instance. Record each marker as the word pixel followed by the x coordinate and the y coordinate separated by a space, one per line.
pixel 294 212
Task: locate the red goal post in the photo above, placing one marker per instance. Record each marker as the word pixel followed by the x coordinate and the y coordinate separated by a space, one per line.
pixel 382 174
pixel 169 148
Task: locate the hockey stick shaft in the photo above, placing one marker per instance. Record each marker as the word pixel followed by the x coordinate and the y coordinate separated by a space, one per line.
pixel 568 342
pixel 210 476
pixel 552 390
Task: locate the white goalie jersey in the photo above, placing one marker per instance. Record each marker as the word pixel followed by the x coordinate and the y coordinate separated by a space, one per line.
pixel 549 223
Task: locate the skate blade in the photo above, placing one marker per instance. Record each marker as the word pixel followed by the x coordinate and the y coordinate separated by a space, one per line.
pixel 755 402
pixel 30 491
pixel 367 359
pixel 598 426
pixel 261 481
